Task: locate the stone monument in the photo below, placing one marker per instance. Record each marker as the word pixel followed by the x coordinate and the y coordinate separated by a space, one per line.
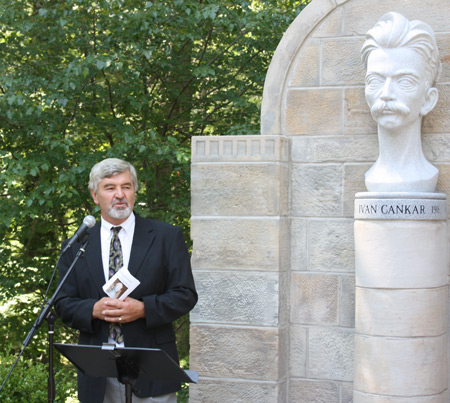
pixel 275 226
pixel 400 227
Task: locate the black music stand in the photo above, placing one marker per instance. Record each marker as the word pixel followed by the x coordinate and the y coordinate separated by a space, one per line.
pixel 126 364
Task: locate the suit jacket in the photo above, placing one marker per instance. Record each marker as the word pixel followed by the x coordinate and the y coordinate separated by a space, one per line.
pixel 160 261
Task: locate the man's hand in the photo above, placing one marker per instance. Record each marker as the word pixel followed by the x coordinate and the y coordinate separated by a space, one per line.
pixel 114 310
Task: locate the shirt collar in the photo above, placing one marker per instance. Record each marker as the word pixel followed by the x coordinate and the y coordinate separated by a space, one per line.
pixel 127 225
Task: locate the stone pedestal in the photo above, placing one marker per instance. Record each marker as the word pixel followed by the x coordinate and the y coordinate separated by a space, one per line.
pixel 401 263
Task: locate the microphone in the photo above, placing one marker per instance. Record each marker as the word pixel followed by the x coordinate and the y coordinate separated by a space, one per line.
pixel 88 222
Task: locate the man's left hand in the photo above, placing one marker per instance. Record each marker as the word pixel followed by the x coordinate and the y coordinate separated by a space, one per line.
pixel 124 311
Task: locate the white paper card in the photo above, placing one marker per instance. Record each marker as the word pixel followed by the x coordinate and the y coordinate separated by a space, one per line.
pixel 121 284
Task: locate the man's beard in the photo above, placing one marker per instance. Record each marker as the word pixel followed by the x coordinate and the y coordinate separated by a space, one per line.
pixel 119 213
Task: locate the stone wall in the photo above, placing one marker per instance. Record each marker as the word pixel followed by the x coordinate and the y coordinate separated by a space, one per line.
pixel 239 330
pixel 272 215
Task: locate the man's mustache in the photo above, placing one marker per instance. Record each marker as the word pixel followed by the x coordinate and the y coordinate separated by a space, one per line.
pixel 115 201
pixel 396 107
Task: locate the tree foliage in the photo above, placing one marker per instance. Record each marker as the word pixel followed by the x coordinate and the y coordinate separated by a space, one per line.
pixel 81 80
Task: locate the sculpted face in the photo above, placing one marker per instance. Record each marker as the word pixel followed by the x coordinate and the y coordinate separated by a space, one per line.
pixel 396 89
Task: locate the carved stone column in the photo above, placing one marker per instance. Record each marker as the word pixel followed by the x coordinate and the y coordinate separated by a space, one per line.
pixel 401 325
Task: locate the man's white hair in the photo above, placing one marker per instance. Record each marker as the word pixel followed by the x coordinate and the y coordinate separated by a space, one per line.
pixel 393 30
pixel 110 167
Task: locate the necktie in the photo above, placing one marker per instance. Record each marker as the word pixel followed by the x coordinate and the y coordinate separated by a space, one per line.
pixel 115 263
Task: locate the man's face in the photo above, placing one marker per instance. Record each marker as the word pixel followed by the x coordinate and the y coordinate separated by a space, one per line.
pixel 396 87
pixel 116 197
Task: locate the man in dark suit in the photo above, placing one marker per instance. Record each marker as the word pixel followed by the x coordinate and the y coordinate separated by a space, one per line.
pixel 153 252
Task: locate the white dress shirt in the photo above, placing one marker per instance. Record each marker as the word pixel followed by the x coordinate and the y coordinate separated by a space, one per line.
pixel 125 237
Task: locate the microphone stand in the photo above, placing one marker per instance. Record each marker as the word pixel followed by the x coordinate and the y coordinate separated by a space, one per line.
pixel 48 314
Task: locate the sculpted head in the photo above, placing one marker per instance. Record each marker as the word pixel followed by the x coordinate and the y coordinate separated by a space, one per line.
pixel 402 62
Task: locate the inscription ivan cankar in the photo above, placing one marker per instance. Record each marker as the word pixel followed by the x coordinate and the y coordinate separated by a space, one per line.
pixel 393 209
pixel 406 209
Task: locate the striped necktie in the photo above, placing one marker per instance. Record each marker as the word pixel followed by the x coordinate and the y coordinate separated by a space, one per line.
pixel 115 263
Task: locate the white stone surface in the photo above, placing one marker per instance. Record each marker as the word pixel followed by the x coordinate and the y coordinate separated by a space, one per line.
pixel 307 391
pixel 299 351
pixel 314 299
pixel 223 391
pixel 331 246
pixel 234 297
pixel 316 190
pixel 310 149
pixel 401 304
pixel 236 243
pixel 256 189
pixel 401 254
pixel 252 353
pixel 370 398
pixel 401 366
pixel 401 313
pixel 239 149
pixel 347 301
pixel 331 353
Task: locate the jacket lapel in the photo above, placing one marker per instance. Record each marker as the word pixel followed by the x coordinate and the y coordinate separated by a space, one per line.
pixel 143 239
pixel 93 258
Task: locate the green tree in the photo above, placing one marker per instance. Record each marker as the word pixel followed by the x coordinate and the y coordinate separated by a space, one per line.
pixel 81 80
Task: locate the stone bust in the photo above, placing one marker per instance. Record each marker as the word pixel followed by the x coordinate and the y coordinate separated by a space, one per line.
pixel 402 65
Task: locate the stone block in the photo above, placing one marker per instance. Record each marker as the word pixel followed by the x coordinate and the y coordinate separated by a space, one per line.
pixel 331 245
pixel 334 51
pixel 233 352
pixel 227 391
pixel 415 367
pixel 283 298
pixel 250 298
pixel 444 179
pixel 307 391
pixel 330 26
pixel 395 253
pixel 371 398
pixel 331 353
pixel 236 243
pixel 306 70
pixel 402 313
pixel 357 116
pixel 347 301
pixel 346 392
pixel 443 41
pixel 438 120
pixel 299 244
pixel 316 149
pixel 239 189
pixel 358 21
pixel 314 299
pixel 316 190
pixel 313 111
pixel 239 149
pixel 298 352
pixel 354 175
pixel 436 147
